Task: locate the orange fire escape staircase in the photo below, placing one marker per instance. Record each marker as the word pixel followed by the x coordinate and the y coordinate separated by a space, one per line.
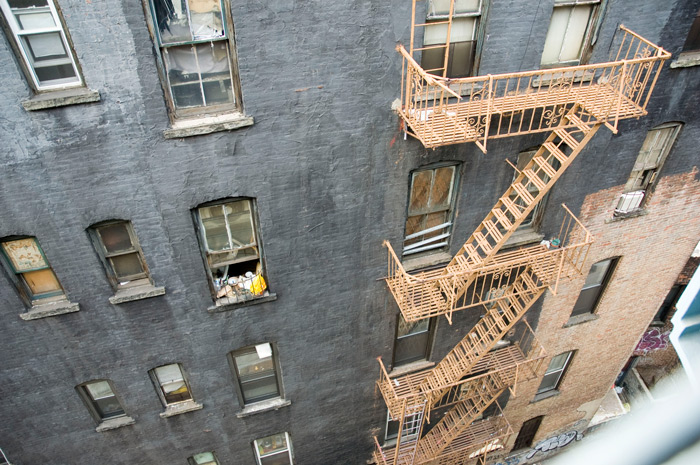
pixel 571 104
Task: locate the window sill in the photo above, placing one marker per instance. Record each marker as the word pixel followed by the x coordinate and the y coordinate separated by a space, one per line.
pixel 580 319
pixel 686 60
pixel 425 261
pixel 61 98
pixel 136 293
pixel 410 368
pixel 180 408
pixel 524 237
pixel 545 395
pixel 50 309
pixel 114 423
pixel 263 406
pixel 223 306
pixel 207 125
pixel 623 216
pixel 562 76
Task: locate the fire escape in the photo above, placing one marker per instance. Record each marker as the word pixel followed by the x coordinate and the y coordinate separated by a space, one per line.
pixel 570 104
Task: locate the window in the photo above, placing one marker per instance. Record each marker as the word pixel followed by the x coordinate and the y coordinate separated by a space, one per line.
pixel 413 340
pixel 596 282
pixel 692 42
pixel 231 251
pixel 31 272
pixel 205 458
pixel 256 373
pixel 101 400
pixel 42 43
pixel 464 38
pixel 645 171
pixel 197 54
pixel 527 433
pixel 171 383
pixel 533 219
pixel 430 209
pixel 569 33
pixel 554 373
pixel 669 303
pixel 274 450
pixel 411 427
pixel 121 254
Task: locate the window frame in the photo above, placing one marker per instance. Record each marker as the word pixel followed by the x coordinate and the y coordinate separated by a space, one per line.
pixel 174 112
pixel 139 279
pixel 238 382
pixel 452 197
pixel 588 37
pixel 289 448
pixel 90 402
pixel 641 182
pixel 596 289
pixel 411 429
pixel 261 287
pixel 477 33
pixel 562 372
pixel 159 385
pixel 14 32
pixel 429 335
pixel 17 277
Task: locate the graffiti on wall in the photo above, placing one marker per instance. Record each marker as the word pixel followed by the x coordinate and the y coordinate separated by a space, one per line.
pixel 544 447
pixel 652 339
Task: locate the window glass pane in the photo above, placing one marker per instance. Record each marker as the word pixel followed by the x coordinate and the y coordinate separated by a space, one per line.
pixel 205 458
pixel 213 63
pixel 597 274
pixel 24 254
pixel 206 19
pixel 461 59
pixel 406 328
pixel 442 186
pixel 34 19
pixel 214 224
pixel 549 381
pixel 281 458
pixel 168 373
pixel 127 265
pixel 27 3
pixel 558 362
pixel 575 33
pixel 47 46
pixel 239 220
pixel 442 7
pixel 108 407
pixel 463 30
pixel 271 444
pixel 183 75
pixel 411 348
pixel 173 24
pixel 99 390
pixel 42 282
pixel 420 190
pixel 115 237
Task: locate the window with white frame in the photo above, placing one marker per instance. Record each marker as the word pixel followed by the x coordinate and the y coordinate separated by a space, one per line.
pixel 231 248
pixel 430 209
pixel 645 171
pixel 101 400
pixel 42 43
pixel 411 427
pixel 205 458
pixel 570 31
pixel 119 249
pixel 274 450
pixel 30 271
pixel 171 383
pixel 463 40
pixel 197 53
pixel 255 369
pixel 555 371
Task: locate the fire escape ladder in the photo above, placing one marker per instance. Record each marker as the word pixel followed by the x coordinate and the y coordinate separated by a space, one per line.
pixel 527 190
pixel 517 299
pixel 475 398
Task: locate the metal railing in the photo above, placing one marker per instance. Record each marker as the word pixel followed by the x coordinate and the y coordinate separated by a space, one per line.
pixel 442 111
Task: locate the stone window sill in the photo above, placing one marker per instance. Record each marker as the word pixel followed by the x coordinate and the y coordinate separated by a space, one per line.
pixel 426 261
pixel 50 309
pixel 580 319
pixel 207 125
pixel 623 216
pixel 686 60
pixel 524 236
pixel 222 306
pixel 114 423
pixel 136 293
pixel 264 406
pixel 180 408
pixel 545 395
pixel 61 98
pixel 410 368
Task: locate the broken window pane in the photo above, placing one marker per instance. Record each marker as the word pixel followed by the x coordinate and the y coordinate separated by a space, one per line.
pixel 177 24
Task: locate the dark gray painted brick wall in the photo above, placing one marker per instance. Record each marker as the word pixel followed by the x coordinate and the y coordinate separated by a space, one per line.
pixel 327 164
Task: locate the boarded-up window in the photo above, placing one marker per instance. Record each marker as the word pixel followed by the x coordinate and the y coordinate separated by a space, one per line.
pixel 30 270
pixel 430 209
pixel 569 31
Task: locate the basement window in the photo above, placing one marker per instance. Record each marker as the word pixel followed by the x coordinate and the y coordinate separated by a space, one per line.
pixel 570 31
pixel 231 250
pixel 645 171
